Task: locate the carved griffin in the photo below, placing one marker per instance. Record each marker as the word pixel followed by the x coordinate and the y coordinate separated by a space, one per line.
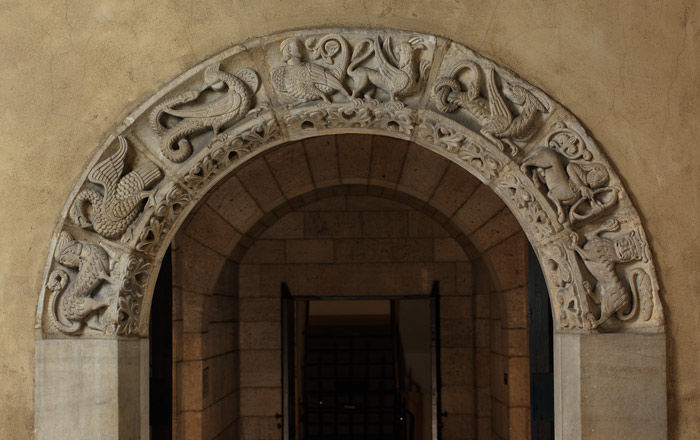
pixel 194 118
pixel 114 210
pixel 306 80
pixel 396 72
pixel 498 124
pixel 77 303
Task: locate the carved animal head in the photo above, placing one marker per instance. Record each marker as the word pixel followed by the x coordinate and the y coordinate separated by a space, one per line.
pixel 212 78
pixel 291 49
pixel 68 250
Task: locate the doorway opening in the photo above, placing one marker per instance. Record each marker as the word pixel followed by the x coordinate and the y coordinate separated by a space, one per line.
pixel 362 367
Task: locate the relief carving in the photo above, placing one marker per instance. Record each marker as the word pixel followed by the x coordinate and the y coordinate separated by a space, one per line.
pixel 478 157
pixel 491 110
pixel 73 305
pixel 397 72
pixel 114 209
pixel 164 209
pixel 195 112
pixel 318 69
pixel 371 115
pixel 578 190
pixel 307 80
pixel 567 298
pixel 227 149
pixel 131 296
pixel 601 255
pixel 528 205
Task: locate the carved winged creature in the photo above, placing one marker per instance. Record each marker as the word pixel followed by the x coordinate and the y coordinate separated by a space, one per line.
pixel 194 118
pixel 114 210
pixel 77 303
pixel 308 81
pixel 498 124
pixel 396 72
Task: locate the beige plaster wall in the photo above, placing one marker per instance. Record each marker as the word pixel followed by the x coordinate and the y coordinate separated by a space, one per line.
pixel 71 70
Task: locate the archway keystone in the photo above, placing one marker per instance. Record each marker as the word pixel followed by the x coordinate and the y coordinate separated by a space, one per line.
pixel 528 148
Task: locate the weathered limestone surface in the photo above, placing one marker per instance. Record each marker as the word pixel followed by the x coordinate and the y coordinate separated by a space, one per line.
pixel 607 63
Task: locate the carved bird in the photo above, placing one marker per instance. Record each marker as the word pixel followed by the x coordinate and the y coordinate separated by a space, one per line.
pixel 92 263
pixel 304 80
pixel 235 103
pixel 396 75
pixel 114 210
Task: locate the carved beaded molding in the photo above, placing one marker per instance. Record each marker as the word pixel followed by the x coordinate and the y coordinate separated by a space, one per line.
pixel 170 151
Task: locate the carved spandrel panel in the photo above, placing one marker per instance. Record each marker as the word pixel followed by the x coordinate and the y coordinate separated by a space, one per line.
pixel 117 188
pixel 489 99
pixel 194 115
pixel 350 66
pixel 93 288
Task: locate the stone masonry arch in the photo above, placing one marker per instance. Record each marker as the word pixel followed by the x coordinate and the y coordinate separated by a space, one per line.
pixel 169 153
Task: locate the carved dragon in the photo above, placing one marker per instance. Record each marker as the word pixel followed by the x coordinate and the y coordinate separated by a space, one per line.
pixel 308 81
pixel 498 124
pixel 194 118
pixel 600 256
pixel 396 73
pixel 118 206
pixel 77 303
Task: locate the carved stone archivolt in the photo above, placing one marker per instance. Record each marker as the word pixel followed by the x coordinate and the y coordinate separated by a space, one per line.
pixel 174 148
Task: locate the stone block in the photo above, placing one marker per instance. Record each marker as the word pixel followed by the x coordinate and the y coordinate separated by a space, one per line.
pixel 192 424
pixel 374 203
pixel 499 419
pixel 454 189
pixel 291 225
pixel 260 368
pixel 332 224
pixel 233 202
pixel 483 402
pixel 265 251
pixel 258 401
pixel 195 266
pixel 457 366
pixel 421 225
pixel 191 375
pixel 456 333
pixel 290 167
pixel 194 313
pixel 259 428
pixel 422 170
pixel 309 251
pixel 354 152
pixel 519 381
pixel 387 160
pixel 519 423
pixel 259 335
pixel 383 250
pixel 483 332
pixel 478 209
pixel 248 280
pixel 458 399
pixel 323 160
pixel 447 249
pixel 518 343
pixel 257 178
pixel 459 427
pixel 456 307
pixel 507 263
pixel 259 309
pixel 498 377
pixel 514 303
pixel 497 229
pixel 381 224
pixel 463 278
pixel 210 229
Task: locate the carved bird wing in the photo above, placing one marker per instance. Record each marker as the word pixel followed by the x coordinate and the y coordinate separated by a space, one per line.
pixel 136 181
pixel 395 77
pixel 107 172
pixel 496 103
pixel 228 103
pixel 321 76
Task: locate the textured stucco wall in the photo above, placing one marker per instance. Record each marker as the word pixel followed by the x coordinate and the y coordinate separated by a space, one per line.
pixel 71 71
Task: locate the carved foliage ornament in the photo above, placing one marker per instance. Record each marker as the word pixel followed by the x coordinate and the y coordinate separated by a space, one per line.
pixel 513 137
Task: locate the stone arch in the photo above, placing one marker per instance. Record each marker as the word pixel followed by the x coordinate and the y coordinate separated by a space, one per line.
pixel 510 135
